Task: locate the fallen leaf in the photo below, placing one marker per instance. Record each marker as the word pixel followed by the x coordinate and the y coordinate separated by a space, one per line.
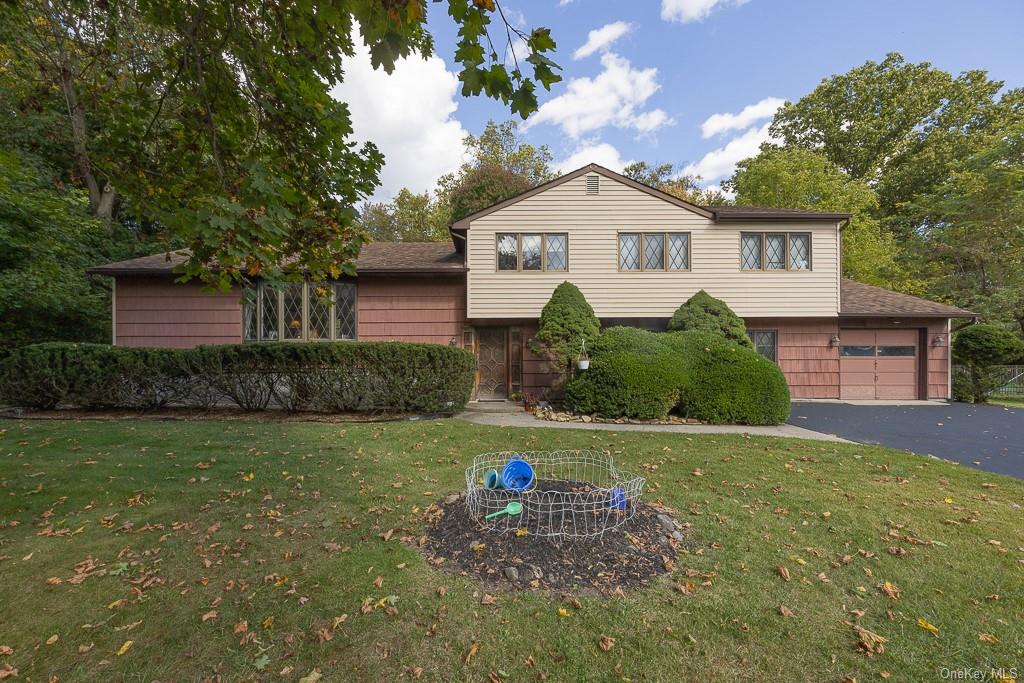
pixel 473 649
pixel 488 599
pixel 312 677
pixel 884 674
pixel 785 611
pixel 562 612
pixel 124 648
pixel 268 622
pixel 784 573
pixel 415 672
pixel 606 643
pixel 82 649
pixel 869 642
pixel 6 650
pixel 212 614
pixel 442 591
pixel 379 581
pixel 241 627
pixel 987 638
pixel 7 671
pixel 338 621
pixel 52 639
pixel 892 590
pixel 931 628
pixel 522 531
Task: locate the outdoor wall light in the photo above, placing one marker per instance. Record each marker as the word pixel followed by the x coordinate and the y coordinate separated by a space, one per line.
pixel 938 340
pixel 834 341
pixel 452 342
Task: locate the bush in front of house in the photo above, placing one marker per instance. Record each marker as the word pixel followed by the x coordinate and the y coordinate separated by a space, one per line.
pixel 336 377
pixel 565 321
pixel 730 384
pixel 701 375
pixel 633 374
pixel 704 313
pixel 979 349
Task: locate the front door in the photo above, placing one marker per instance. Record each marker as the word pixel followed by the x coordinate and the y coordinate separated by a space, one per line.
pixel 492 351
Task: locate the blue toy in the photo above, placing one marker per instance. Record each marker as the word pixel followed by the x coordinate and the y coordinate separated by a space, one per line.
pixel 618 500
pixel 517 475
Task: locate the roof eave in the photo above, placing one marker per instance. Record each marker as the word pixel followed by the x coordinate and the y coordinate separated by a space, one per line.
pixel 782 218
pixel 907 314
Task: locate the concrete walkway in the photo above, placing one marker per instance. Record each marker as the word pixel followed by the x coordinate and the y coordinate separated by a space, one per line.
pixel 524 419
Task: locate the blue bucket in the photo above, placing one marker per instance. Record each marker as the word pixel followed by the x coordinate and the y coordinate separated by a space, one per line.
pixel 618 500
pixel 517 475
pixel 492 480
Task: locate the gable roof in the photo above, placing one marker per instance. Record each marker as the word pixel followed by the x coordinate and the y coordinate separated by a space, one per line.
pixel 589 168
pixel 716 213
pixel 858 299
pixel 375 257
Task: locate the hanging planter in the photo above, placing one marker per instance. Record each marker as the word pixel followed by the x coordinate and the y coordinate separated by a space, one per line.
pixel 583 361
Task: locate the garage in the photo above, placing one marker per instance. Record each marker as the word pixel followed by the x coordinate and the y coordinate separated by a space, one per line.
pixel 879 364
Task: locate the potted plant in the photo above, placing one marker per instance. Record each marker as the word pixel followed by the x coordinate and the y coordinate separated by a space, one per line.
pixel 583 360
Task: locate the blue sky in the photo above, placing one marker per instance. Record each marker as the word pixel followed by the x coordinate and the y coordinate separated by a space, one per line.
pixel 675 64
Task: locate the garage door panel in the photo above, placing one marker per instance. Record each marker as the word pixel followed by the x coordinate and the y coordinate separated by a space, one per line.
pixel 878 364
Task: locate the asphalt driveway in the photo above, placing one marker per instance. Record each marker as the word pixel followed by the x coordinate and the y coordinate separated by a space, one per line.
pixel 986 437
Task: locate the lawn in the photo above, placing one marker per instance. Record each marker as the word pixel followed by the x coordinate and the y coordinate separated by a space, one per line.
pixel 162 550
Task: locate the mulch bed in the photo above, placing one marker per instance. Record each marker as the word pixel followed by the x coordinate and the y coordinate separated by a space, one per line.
pixel 628 556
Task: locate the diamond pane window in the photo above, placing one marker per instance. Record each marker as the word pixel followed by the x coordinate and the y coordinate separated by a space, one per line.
pixel 750 252
pixel 531 252
pixel 557 252
pixel 292 308
pixel 250 325
pixel 508 252
pixel 766 342
pixel 319 311
pixel 629 252
pixel 654 251
pixel 268 321
pixel 679 251
pixel 345 310
pixel 800 252
pixel 775 252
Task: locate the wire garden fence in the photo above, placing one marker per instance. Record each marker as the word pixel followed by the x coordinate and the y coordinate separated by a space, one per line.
pixel 1012 377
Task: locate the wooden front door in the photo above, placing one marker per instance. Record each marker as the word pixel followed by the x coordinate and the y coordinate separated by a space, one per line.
pixel 492 353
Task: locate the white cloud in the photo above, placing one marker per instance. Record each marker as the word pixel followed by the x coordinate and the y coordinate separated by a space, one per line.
pixel 600 39
pixel 685 11
pixel 615 97
pixel 751 114
pixel 409 115
pixel 720 163
pixel 593 152
pixel 516 52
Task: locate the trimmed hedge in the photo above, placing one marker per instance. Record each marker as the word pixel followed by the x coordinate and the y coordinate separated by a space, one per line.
pixel 641 374
pixel 335 377
pixel 704 313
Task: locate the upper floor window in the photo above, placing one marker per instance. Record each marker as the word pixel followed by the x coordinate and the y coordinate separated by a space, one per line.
pixel 532 251
pixel 775 251
pixel 644 251
pixel 311 311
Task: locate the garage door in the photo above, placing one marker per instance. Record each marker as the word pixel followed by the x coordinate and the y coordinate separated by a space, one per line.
pixel 878 364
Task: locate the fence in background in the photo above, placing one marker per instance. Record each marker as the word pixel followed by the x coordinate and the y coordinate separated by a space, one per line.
pixel 1012 374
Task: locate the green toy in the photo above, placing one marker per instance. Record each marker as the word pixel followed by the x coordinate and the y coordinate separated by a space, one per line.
pixel 513 508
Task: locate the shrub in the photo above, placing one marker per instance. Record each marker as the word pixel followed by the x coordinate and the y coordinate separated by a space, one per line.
pixel 566 319
pixel 704 313
pixel 978 349
pixel 730 384
pixel 343 376
pixel 626 384
pixel 643 374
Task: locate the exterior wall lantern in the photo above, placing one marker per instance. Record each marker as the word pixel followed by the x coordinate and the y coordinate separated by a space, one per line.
pixel 834 341
pixel 938 341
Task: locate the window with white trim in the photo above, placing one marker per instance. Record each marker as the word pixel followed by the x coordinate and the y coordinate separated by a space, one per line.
pixel 300 311
pixel 775 251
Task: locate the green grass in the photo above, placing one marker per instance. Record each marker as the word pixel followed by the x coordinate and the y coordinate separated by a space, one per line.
pixel 1008 401
pixel 248 549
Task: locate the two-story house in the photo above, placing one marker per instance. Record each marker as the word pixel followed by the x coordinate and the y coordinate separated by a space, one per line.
pixel 636 253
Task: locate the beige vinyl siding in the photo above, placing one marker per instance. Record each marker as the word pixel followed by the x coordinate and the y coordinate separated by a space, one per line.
pixel 593 223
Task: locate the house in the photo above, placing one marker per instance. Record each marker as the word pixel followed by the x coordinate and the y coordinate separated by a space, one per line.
pixel 634 251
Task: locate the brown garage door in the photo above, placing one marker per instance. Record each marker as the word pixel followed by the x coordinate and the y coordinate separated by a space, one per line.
pixel 878 364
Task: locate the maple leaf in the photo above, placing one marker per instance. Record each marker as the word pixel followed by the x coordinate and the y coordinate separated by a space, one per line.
pixel 606 643
pixel 870 643
pixel 241 627
pixel 7 671
pixel 892 590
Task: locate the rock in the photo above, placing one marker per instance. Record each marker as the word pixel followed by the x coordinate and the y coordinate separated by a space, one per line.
pixel 667 523
pixel 587 418
pixel 678 536
pixel 512 574
pixel 534 571
pixel 451 498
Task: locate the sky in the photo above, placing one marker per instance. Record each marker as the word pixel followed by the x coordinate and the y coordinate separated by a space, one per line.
pixel 688 82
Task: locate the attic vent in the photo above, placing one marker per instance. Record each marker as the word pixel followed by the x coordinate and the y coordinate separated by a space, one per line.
pixel 593 184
